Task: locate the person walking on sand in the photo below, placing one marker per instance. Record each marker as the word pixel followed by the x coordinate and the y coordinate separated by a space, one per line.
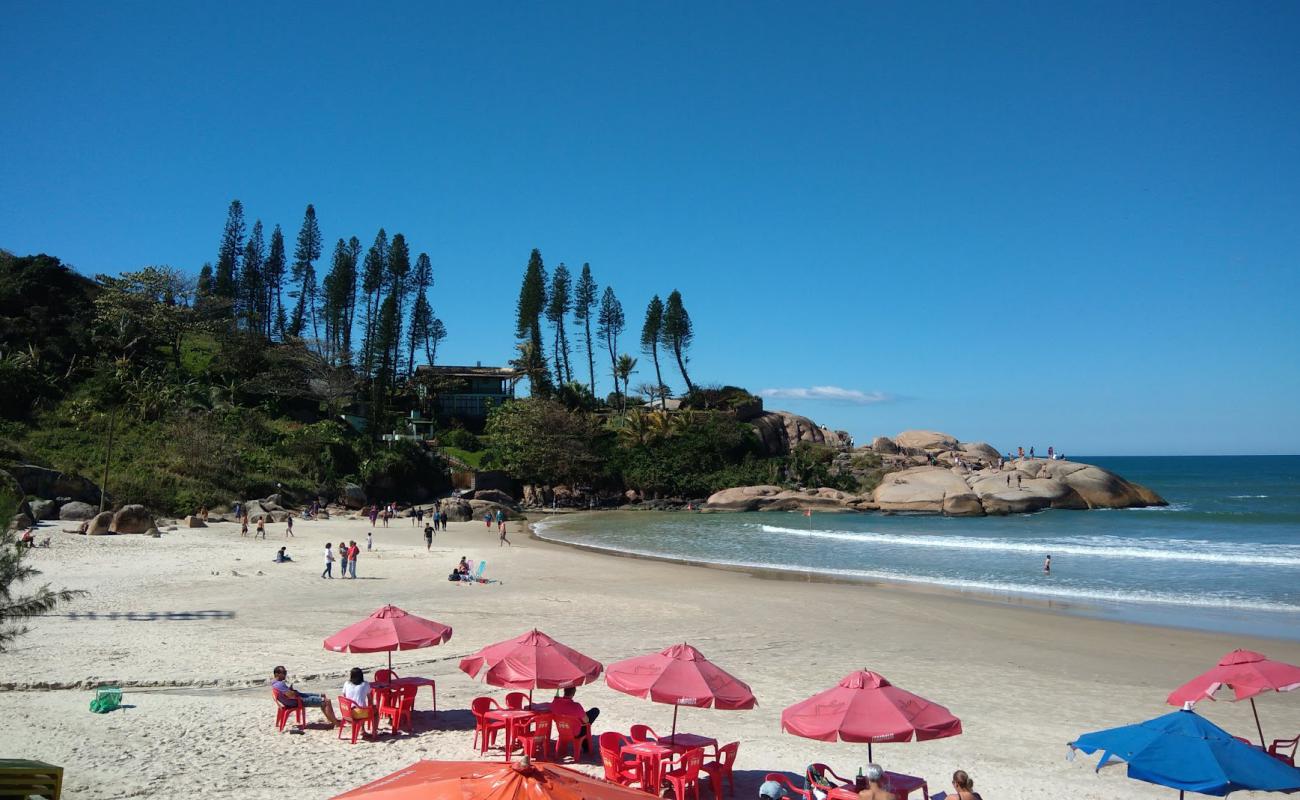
pixel 343 560
pixel 261 528
pixel 328 572
pixel 503 540
pixel 1017 480
pixel 487 520
pixel 417 518
pixel 353 552
pixel 428 538
pixel 288 528
pixel 374 514
pixel 443 516
pixel 243 527
pixel 370 541
pixel 501 521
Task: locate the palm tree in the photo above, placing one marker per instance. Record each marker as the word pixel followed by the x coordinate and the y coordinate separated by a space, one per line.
pixel 623 369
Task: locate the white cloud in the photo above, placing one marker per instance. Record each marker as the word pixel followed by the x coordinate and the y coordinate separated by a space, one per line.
pixel 832 393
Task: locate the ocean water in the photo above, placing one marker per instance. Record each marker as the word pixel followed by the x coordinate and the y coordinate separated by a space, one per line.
pixel 1224 555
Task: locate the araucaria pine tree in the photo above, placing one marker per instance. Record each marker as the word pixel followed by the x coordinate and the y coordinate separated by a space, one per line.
pixel 376 268
pixel 609 324
pixel 304 271
pixel 650 333
pixel 678 333
pixel 528 323
pixel 225 281
pixel 584 301
pixel 421 311
pixel 339 295
pixel 276 261
pixel 557 309
pixel 252 282
pixel 399 273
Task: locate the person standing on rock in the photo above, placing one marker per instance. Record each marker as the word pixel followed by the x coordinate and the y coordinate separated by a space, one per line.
pixel 1031 452
pixel 1017 480
pixel 328 572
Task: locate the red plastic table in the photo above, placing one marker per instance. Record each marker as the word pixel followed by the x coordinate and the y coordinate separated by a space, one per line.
pixel 512 717
pixel 898 783
pixel 413 681
pixel 650 755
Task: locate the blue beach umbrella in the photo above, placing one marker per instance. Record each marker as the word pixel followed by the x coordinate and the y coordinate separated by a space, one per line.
pixel 1187 752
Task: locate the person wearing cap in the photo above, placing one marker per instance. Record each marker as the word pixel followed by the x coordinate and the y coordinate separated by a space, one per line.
pixel 875 790
pixel 771 790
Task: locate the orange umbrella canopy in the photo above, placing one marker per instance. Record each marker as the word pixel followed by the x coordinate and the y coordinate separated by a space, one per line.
pixel 477 780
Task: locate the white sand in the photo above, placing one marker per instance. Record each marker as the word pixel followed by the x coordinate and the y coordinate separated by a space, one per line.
pixel 1024 681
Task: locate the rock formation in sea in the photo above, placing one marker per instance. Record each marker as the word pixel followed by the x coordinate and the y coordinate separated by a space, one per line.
pixel 935 473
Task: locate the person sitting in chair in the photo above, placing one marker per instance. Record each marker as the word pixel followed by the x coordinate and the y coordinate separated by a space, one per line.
pixel 289 697
pixel 875 785
pixel 566 706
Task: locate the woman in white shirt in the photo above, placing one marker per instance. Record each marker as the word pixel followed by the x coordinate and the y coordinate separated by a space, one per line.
pixel 357 689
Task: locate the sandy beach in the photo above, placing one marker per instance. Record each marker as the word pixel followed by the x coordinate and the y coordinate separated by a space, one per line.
pixel 191 624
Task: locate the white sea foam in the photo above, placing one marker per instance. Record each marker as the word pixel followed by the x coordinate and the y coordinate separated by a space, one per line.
pixel 1197 551
pixel 987 587
pixel 1247 496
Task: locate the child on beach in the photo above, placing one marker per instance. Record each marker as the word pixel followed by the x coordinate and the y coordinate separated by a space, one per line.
pixel 370 541
pixel 343 560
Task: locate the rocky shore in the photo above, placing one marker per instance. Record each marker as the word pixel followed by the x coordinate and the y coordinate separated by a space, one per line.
pixel 934 473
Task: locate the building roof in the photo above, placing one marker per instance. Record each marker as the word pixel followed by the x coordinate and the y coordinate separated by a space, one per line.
pixel 471 372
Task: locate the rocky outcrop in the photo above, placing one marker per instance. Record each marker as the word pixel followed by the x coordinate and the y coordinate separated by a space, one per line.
pixel 44 509
pixel 457 510
pixel 49 483
pixel 493 496
pixel 194 522
pixel 100 524
pixel 77 510
pixel 925 440
pixel 1022 486
pixel 774 498
pixel 132 519
pixel 781 431
pixel 480 507
pixel 352 496
pixel 884 445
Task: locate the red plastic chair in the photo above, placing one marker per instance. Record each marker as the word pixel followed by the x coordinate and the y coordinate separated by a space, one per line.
pixel 516 700
pixel 825 770
pixel 684 773
pixel 785 781
pixel 721 767
pixel 397 705
pixel 569 734
pixel 485 730
pixel 642 733
pixel 384 676
pixel 1278 749
pixel 346 717
pixel 534 735
pixel 282 712
pixel 624 773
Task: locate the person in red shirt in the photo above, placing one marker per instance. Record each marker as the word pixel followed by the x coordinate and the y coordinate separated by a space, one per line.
pixel 353 552
pixel 566 706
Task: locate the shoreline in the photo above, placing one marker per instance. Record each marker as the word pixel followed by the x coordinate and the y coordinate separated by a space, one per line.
pixel 1157 612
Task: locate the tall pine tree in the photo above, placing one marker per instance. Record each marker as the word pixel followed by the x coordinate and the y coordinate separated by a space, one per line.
pixel 304 271
pixel 225 281
pixel 372 283
pixel 651 330
pixel 399 275
pixel 274 269
pixel 252 281
pixel 350 312
pixel 609 324
pixel 584 301
pixel 678 333
pixel 337 290
pixel 421 311
pixel 528 325
pixel 557 310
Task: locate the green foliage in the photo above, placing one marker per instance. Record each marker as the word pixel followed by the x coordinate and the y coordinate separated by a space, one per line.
pixel 403 467
pixel 538 440
pixel 16 607
pixel 528 324
pixel 677 333
pixel 461 439
pixel 718 398
pixel 689 455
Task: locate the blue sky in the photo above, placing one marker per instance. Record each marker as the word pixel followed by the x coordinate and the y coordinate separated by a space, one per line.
pixel 1025 223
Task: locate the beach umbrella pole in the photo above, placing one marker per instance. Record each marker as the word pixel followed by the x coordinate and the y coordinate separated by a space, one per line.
pixel 1257 725
pixel 870 760
pixel 675 719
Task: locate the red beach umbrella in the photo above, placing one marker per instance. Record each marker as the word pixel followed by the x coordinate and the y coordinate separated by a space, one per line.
pixel 680 675
pixel 458 780
pixel 865 707
pixel 531 661
pixel 388 629
pixel 1247 673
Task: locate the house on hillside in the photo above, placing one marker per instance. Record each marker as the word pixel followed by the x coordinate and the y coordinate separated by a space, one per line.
pixel 466 393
